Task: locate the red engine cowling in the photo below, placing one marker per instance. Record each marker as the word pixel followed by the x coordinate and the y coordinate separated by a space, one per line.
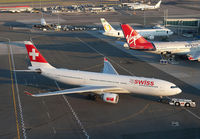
pixel 110 98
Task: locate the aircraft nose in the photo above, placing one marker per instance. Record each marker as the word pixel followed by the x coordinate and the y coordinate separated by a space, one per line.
pixel 178 91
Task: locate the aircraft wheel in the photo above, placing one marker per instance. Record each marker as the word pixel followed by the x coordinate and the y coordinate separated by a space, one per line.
pixel 92 96
pixel 187 105
pixel 177 104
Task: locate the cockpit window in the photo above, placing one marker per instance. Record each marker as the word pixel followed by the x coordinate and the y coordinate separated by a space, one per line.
pixel 174 87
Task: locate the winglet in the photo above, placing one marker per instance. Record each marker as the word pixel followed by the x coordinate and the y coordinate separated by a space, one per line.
pixel 105 59
pixel 27 93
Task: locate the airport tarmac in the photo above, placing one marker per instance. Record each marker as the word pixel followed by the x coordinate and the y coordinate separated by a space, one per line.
pixel 183 69
pixel 74 116
pixel 138 17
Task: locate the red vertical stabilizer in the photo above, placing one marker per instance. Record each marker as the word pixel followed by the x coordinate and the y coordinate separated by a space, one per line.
pixel 135 40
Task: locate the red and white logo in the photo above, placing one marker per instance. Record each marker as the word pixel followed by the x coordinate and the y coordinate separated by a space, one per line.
pixel 142 82
pixel 134 39
pixel 110 99
pixel 33 54
pixel 131 38
pixel 107 28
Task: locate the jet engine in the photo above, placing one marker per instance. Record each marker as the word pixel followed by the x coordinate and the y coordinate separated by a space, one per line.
pixel 110 98
pixel 126 45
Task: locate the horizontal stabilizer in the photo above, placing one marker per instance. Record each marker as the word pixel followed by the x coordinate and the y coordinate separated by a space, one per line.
pixel 37 70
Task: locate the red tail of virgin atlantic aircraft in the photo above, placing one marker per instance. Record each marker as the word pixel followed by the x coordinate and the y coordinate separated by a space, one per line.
pixel 135 40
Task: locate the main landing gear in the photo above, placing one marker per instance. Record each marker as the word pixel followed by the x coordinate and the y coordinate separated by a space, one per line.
pixel 165 100
pixel 92 96
pixel 167 57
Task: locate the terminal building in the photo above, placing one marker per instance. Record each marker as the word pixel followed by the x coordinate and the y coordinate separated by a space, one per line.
pixel 184 25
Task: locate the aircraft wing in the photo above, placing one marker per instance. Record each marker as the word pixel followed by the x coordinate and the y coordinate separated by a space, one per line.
pixel 195 55
pixel 95 89
pixel 108 68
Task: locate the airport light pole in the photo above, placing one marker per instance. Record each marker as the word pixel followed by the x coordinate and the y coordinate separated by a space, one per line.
pixel 144 18
pixel 40 5
pixel 58 18
pixel 165 17
pixel 7 44
pixel 7 40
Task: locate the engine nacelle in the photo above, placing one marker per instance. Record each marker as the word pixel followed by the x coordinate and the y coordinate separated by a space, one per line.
pixel 110 98
pixel 126 45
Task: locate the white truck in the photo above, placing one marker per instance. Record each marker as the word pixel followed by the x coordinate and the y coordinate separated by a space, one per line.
pixel 182 102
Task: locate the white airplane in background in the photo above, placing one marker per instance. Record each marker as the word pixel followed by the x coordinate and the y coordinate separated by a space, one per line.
pixel 43 24
pixel 107 84
pixel 147 33
pixel 140 6
pixel 16 9
pixel 137 42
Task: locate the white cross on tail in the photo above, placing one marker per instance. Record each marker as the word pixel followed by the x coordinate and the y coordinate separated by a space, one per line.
pixel 33 54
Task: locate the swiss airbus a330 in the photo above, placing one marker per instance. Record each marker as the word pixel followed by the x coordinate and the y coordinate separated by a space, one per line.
pixel 107 84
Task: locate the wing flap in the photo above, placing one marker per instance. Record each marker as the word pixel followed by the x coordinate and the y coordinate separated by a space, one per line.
pixel 95 89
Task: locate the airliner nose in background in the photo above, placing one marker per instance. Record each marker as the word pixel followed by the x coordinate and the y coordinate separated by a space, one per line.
pixel 107 84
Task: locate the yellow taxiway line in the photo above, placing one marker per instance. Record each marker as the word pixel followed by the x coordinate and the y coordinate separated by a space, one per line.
pixel 13 93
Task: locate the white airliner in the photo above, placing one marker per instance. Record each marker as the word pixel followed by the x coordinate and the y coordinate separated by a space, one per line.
pixel 107 84
pixel 43 22
pixel 44 25
pixel 137 42
pixel 16 9
pixel 139 6
pixel 147 33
